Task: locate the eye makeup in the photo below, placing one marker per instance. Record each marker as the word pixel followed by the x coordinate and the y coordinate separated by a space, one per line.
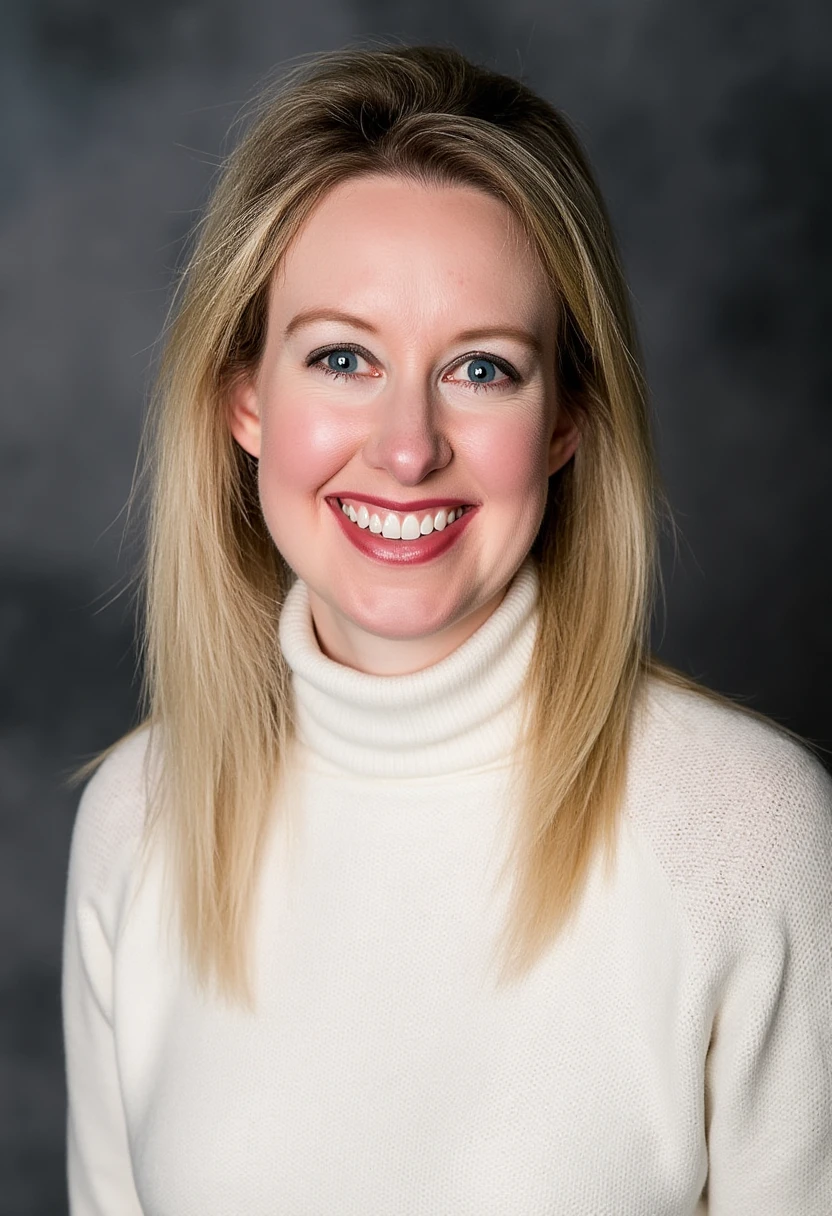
pixel 513 377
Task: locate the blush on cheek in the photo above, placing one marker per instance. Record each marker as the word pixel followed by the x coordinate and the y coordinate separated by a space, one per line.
pixel 304 447
pixel 509 461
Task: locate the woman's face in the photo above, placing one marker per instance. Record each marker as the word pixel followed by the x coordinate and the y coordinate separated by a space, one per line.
pixel 408 369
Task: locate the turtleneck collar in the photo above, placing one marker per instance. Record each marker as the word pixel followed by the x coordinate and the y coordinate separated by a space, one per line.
pixel 460 713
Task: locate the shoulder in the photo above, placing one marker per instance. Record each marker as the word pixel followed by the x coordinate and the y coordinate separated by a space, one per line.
pixel 111 811
pixel 738 812
pixel 702 743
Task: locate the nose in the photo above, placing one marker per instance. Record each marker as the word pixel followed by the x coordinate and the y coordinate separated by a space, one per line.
pixel 407 439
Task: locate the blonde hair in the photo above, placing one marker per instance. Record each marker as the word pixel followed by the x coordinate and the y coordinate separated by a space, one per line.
pixel 216 692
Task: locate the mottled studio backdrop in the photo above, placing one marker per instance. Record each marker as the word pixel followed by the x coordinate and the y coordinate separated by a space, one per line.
pixel 708 122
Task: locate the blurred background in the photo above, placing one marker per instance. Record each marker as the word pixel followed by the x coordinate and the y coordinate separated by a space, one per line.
pixel 708 123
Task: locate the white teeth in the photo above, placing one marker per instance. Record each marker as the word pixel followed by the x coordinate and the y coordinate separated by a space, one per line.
pixel 395 528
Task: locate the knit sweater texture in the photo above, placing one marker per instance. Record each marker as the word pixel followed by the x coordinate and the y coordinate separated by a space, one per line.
pixel 670 1055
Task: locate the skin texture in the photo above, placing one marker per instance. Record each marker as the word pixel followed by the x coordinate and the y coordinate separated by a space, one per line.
pixel 420 265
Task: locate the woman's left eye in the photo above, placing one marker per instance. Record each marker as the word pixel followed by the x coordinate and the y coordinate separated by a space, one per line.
pixel 481 372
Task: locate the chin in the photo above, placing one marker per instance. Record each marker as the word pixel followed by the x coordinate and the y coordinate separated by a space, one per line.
pixel 389 621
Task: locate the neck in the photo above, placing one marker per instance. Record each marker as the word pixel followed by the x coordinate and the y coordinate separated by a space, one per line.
pixel 461 712
pixel 346 643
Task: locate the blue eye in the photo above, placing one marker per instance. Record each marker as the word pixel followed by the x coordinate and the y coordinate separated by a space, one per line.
pixel 342 361
pixel 481 371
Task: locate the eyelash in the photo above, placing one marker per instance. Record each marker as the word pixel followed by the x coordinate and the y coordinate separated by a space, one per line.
pixel 315 361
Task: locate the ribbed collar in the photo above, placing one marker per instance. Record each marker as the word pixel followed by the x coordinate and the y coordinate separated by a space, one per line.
pixel 460 713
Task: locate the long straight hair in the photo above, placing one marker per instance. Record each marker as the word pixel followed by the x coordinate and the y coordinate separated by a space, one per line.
pixel 217 695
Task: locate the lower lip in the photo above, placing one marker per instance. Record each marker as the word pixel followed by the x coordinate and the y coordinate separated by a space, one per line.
pixel 401 552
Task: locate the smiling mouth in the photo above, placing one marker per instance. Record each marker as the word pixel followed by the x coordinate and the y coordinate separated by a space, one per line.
pixel 399 525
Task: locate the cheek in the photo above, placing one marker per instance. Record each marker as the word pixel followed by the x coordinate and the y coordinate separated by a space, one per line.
pixel 302 448
pixel 510 460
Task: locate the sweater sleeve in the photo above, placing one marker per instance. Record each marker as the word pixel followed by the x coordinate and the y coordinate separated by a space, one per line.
pixel 99 1171
pixel 768 1084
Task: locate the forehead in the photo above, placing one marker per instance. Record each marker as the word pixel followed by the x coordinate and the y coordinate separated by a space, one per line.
pixel 399 243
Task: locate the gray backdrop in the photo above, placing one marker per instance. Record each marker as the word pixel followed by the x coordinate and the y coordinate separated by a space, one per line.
pixel 708 124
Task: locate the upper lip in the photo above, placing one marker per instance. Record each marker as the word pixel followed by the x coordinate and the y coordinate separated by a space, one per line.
pixel 418 504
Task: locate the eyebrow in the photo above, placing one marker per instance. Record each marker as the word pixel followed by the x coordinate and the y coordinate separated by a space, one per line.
pixel 308 315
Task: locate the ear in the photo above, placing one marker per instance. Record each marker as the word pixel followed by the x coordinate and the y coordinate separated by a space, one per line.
pixel 564 442
pixel 243 410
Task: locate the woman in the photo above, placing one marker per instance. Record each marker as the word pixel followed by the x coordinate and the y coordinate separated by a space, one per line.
pixel 400 702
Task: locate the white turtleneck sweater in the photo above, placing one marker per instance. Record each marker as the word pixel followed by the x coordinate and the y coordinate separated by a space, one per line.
pixel 671 1055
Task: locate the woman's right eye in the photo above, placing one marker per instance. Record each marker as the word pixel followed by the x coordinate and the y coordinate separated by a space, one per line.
pixel 340 362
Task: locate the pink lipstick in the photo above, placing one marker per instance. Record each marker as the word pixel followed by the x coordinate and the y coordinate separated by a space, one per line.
pixel 402 552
